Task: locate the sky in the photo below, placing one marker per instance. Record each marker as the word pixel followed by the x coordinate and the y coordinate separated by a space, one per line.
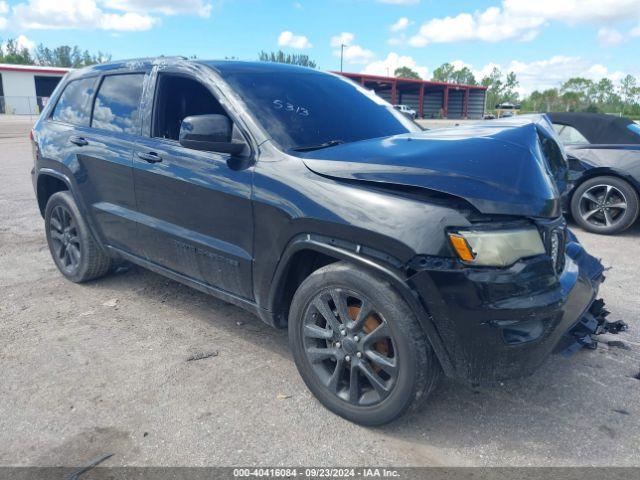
pixel 543 41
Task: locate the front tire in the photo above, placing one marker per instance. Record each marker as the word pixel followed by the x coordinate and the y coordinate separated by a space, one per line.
pixel 74 250
pixel 358 346
pixel 605 205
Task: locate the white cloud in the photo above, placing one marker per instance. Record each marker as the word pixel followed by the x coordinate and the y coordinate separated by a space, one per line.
pixel 76 14
pixel 356 54
pixel 388 66
pixel 576 11
pixel 129 21
pixel 610 36
pixel 492 25
pixel 521 20
pixel 345 38
pixel 288 39
pixel 400 2
pixel 4 9
pixel 401 24
pixel 635 32
pixel 24 42
pixel 166 7
pixel 352 53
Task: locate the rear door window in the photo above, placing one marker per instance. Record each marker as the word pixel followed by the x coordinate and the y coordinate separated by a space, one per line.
pixel 74 105
pixel 569 135
pixel 117 105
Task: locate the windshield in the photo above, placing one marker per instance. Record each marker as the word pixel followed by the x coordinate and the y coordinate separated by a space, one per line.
pixel 307 109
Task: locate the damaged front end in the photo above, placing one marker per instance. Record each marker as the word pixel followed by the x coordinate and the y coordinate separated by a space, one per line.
pixel 502 323
pixel 593 322
pixel 500 298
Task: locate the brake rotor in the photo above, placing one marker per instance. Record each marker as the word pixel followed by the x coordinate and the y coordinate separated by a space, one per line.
pixel 370 324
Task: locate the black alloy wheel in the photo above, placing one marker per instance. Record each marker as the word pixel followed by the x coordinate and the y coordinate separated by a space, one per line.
pixel 63 232
pixel 359 346
pixel 350 347
pixel 74 250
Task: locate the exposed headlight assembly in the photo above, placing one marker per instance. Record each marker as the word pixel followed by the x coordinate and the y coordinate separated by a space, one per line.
pixel 496 248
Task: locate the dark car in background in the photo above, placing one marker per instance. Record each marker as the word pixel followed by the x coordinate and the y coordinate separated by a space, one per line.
pixel 390 254
pixel 604 160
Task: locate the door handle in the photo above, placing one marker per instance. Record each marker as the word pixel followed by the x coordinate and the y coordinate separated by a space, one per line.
pixel 151 157
pixel 79 141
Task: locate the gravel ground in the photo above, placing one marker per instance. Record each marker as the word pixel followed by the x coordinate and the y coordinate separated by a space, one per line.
pixel 101 368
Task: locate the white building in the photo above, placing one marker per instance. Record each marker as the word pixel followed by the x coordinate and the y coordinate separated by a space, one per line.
pixel 25 89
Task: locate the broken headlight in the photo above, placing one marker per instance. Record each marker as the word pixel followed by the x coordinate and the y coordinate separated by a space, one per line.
pixel 496 248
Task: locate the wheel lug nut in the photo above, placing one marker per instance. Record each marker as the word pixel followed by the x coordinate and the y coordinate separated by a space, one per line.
pixel 359 354
pixel 338 344
pixel 347 358
pixel 356 338
pixel 343 332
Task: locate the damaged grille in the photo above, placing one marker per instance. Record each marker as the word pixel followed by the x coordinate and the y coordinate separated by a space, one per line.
pixel 554 236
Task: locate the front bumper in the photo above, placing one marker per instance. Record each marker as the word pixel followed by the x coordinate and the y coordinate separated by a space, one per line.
pixel 496 324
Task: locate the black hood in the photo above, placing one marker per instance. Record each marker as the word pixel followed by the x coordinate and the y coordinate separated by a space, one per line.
pixel 498 167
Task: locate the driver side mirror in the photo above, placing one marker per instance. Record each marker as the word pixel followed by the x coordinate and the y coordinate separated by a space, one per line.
pixel 209 133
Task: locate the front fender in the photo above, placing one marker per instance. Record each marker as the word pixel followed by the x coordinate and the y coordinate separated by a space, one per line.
pixel 384 266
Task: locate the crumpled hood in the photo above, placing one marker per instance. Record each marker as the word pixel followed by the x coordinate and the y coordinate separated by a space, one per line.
pixel 498 167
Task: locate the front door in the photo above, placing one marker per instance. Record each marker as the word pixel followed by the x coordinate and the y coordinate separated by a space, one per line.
pixel 194 210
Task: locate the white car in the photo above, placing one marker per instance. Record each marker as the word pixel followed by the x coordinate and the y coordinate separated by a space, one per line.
pixel 409 112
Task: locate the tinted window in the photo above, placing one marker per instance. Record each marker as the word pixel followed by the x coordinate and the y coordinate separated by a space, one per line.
pixel 307 108
pixel 117 103
pixel 569 134
pixel 74 106
pixel 178 97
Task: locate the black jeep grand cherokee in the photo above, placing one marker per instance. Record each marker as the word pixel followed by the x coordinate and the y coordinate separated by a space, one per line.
pixel 389 253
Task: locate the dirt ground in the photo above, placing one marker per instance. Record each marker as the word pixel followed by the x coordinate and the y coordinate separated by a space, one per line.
pixel 101 368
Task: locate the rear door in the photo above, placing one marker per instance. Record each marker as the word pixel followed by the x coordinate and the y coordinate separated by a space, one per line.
pixel 108 157
pixel 97 154
pixel 195 213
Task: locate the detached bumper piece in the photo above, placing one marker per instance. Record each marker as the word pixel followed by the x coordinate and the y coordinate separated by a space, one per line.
pixel 593 322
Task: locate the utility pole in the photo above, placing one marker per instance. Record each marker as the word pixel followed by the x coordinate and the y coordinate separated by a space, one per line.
pixel 342 45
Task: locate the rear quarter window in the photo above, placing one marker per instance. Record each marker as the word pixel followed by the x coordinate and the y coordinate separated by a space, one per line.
pixel 74 105
pixel 117 106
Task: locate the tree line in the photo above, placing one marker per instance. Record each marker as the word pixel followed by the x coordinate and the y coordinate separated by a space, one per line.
pixel 62 56
pixel 577 94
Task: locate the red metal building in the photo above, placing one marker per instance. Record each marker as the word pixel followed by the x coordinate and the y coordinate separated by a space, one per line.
pixel 429 99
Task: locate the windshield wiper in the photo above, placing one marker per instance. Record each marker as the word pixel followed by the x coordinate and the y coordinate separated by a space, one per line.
pixel 330 143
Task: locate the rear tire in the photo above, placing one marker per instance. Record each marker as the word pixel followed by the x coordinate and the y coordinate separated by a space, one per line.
pixel 73 249
pixel 605 205
pixel 358 346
